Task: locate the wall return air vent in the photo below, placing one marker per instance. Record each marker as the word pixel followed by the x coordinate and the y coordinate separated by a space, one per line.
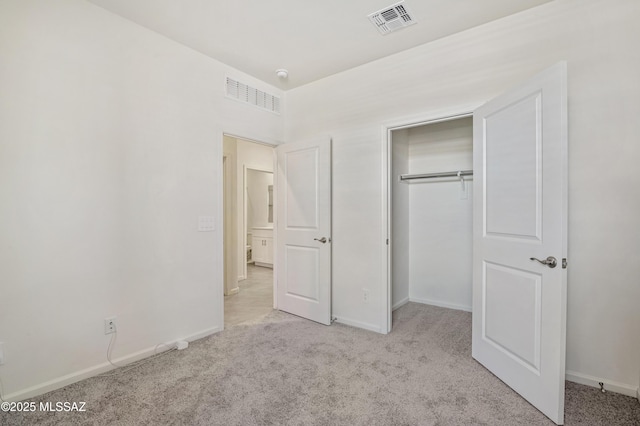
pixel 392 18
pixel 251 95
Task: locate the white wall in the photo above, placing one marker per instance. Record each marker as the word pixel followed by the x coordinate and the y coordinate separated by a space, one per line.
pixel 400 232
pixel 110 149
pixel 460 72
pixel 256 156
pixel 441 215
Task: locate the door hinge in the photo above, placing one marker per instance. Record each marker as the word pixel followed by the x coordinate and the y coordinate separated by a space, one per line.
pixel 387 241
pixel 564 263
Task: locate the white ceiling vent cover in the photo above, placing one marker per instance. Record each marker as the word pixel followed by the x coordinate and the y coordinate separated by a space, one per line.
pixel 245 93
pixel 392 18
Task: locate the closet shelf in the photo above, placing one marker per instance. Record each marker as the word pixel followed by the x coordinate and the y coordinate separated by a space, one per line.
pixel 458 174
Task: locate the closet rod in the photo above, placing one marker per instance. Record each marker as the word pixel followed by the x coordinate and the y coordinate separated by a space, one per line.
pixel 437 175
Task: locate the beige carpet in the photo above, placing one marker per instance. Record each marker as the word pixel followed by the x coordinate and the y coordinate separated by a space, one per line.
pixel 290 371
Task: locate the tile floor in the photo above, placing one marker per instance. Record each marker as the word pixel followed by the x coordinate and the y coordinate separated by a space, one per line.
pixel 254 301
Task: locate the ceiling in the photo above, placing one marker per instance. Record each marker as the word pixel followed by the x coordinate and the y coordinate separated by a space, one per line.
pixel 311 39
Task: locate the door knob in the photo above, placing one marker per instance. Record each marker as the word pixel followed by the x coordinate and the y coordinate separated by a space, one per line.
pixel 550 261
pixel 323 240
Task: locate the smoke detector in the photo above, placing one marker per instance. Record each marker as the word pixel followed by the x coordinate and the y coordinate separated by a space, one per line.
pixel 392 18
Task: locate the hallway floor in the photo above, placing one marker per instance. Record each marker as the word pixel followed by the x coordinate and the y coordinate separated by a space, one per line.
pixel 254 301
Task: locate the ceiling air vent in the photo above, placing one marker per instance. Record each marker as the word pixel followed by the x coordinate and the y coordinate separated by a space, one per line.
pixel 253 96
pixel 392 18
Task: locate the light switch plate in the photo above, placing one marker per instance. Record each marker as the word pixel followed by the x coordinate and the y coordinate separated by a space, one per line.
pixel 206 224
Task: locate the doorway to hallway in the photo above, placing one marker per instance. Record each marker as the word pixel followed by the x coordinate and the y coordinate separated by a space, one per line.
pixel 248 229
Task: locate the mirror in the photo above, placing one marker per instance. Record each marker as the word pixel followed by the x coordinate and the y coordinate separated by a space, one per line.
pixel 270 201
pixel 259 199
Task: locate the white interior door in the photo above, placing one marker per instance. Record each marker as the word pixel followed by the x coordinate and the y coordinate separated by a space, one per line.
pixel 303 247
pixel 520 214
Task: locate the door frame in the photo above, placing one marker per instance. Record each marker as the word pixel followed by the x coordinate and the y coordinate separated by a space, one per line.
pixel 386 270
pixel 230 263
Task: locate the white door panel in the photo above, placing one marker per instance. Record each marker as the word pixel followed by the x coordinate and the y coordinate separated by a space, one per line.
pixel 303 272
pixel 520 210
pixel 514 294
pixel 513 203
pixel 303 267
pixel 301 194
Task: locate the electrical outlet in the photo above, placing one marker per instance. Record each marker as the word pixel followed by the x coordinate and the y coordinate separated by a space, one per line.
pixel 206 223
pixel 1 353
pixel 109 325
pixel 365 295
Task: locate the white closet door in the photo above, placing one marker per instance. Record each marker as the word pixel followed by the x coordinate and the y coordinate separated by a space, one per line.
pixel 520 214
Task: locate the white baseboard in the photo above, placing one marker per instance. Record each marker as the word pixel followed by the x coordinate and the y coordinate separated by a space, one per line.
pixel 358 324
pixel 400 304
pixel 233 291
pixel 609 385
pixel 440 304
pixel 77 376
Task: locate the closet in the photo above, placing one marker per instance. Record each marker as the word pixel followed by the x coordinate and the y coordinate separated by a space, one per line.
pixel 432 214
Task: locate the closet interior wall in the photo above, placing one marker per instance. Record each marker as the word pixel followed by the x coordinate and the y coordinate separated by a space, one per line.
pixel 431 250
